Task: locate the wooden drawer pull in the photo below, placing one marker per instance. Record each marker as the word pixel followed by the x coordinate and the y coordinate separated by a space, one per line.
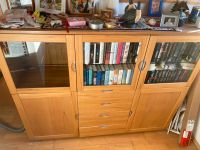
pixel 106 104
pixel 104 115
pixel 104 126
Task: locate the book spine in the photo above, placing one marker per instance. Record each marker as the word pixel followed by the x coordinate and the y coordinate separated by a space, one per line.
pixel 119 52
pixel 111 77
pixel 91 53
pixel 124 76
pixel 126 51
pixel 101 55
pixel 156 52
pixel 112 53
pixel 94 78
pixel 87 76
pixel 90 76
pixel 102 77
pixel 107 53
pixel 128 76
pixel 107 75
pixel 119 79
pixel 131 77
pixel 115 76
pixel 97 53
pixel 98 81
pixel 94 60
pixel 115 53
pixel 87 53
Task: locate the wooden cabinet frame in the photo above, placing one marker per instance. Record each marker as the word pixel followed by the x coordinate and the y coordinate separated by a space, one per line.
pixel 41 38
pixel 80 39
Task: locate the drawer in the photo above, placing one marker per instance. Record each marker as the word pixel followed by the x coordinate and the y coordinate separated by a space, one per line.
pixel 102 129
pixel 105 117
pixel 98 100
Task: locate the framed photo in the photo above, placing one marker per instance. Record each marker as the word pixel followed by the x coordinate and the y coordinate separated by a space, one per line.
pixel 20 3
pixel 51 6
pixel 169 21
pixel 82 6
pixel 107 14
pixel 155 8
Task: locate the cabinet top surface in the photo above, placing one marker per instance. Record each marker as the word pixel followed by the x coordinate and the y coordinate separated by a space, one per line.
pixel 187 30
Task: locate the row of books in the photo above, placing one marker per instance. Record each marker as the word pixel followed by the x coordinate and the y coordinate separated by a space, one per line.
pixel 168 76
pixel 176 52
pixel 110 53
pixel 108 74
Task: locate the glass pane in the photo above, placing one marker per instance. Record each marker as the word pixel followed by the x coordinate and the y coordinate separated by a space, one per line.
pixel 109 63
pixel 37 64
pixel 173 62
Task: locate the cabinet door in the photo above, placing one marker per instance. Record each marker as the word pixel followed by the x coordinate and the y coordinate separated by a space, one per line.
pixel 109 61
pixel 155 108
pixel 171 61
pixel 50 114
pixel 39 61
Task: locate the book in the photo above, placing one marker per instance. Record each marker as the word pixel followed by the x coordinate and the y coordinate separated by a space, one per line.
pixel 129 72
pixel 116 71
pixel 119 52
pixel 90 75
pixel 91 53
pixel 160 53
pixel 124 74
pixel 120 74
pixel 107 74
pixel 112 52
pixel 126 51
pixel 101 54
pixel 94 59
pixel 85 75
pixel 136 52
pixel 98 80
pixel 97 56
pixel 111 75
pixel 94 74
pixel 76 21
pixel 156 52
pixel 107 53
pixel 87 53
pixel 115 53
pixel 103 70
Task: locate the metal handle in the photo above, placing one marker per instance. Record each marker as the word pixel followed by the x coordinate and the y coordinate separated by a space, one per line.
pixel 104 126
pixel 105 104
pixel 107 90
pixel 142 65
pixel 104 115
pixel 73 67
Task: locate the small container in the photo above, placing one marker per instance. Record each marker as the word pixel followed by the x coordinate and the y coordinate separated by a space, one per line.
pixel 96 24
pixel 198 23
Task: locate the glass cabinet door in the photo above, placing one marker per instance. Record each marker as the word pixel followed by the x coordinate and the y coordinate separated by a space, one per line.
pixel 111 61
pixel 37 64
pixel 173 62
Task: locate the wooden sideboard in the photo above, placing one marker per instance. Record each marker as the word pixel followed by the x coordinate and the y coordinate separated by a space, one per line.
pixel 50 81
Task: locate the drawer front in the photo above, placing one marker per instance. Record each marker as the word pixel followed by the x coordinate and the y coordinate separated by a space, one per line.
pixel 104 117
pixel 102 129
pixel 116 101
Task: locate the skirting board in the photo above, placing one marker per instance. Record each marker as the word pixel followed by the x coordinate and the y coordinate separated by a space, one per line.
pixel 196 144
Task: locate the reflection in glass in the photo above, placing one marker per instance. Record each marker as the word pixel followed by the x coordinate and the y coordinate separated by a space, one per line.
pixel 173 62
pixel 37 64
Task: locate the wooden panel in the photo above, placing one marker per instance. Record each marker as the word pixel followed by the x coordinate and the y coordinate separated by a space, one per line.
pixel 103 117
pixel 102 130
pixel 50 114
pixel 116 101
pixel 154 109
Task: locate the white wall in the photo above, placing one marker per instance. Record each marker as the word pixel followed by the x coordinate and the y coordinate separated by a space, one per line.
pixel 3 5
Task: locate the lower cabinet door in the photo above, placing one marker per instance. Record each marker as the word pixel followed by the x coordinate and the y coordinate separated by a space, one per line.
pixel 155 108
pixel 50 115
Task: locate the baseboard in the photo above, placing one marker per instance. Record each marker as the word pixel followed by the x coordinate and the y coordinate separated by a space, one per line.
pixel 196 144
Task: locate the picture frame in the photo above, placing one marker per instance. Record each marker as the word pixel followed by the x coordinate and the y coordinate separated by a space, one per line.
pixel 20 4
pixel 155 8
pixel 169 21
pixel 51 6
pixel 78 7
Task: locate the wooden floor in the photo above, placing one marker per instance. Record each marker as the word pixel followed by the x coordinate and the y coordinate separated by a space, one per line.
pixel 138 141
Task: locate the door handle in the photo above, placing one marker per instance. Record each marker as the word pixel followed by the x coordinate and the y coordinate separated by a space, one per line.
pixel 142 65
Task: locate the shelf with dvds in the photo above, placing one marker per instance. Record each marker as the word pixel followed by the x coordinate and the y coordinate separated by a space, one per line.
pixel 110 61
pixel 173 61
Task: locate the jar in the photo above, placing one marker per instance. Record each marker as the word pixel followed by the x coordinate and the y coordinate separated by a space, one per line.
pixel 198 22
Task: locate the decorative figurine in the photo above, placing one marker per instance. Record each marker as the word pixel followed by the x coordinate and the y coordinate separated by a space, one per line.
pixel 132 14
